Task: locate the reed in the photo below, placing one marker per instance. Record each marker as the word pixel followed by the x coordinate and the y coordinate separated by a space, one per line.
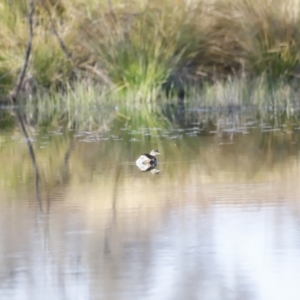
pixel 260 37
pixel 139 51
pixel 89 107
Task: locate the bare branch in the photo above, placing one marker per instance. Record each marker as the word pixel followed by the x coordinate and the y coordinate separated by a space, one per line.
pixel 109 5
pixel 60 41
pixel 16 91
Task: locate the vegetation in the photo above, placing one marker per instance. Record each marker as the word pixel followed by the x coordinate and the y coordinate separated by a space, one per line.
pixel 134 47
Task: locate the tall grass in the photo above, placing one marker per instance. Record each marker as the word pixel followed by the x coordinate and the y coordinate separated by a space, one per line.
pixel 261 92
pixel 260 36
pixel 89 107
pixel 13 40
pixel 139 51
pixel 136 46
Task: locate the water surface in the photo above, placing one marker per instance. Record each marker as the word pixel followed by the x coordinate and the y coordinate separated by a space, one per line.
pixel 220 221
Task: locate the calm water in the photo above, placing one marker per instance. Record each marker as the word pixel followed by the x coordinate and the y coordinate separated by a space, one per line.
pixel 220 221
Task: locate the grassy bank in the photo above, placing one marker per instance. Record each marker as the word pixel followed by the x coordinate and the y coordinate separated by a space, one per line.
pixel 92 108
pixel 136 46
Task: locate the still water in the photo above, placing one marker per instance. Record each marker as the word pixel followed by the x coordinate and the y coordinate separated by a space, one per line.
pixel 220 221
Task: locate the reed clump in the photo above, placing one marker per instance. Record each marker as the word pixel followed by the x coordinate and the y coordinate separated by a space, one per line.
pixel 138 46
pixel 258 37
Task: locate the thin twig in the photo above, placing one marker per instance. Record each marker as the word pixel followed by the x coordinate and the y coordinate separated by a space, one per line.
pixel 60 41
pixel 16 91
pixel 111 11
pixel 109 5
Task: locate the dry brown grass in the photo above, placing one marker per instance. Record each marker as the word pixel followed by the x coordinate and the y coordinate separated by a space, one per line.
pixel 137 44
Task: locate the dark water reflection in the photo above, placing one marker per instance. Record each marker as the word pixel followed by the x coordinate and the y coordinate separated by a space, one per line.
pixel 221 220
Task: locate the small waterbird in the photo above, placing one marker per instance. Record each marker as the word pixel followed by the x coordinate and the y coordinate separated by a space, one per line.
pixel 147 161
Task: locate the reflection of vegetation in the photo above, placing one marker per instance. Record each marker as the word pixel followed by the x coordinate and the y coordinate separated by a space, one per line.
pixel 185 151
pixel 22 125
pixel 19 169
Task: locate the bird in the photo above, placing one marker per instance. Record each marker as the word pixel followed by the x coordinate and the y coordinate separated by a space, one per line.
pixel 147 162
